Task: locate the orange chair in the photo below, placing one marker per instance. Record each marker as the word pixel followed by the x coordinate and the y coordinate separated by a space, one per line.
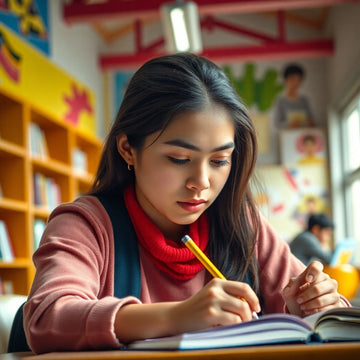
pixel 347 277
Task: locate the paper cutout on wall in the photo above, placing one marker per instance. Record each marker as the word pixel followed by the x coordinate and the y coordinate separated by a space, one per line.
pixel 28 19
pixel 257 93
pixel 78 102
pixel 258 90
pixel 9 59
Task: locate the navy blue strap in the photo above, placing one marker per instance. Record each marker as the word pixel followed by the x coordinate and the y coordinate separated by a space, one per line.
pixel 127 277
pixel 17 339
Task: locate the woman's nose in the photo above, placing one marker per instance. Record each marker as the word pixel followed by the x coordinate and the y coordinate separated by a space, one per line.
pixel 199 178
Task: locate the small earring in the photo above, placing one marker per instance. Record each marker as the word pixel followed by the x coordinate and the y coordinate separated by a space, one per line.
pixel 129 167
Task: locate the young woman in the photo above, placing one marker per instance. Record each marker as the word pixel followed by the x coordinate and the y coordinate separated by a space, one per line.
pixel 177 161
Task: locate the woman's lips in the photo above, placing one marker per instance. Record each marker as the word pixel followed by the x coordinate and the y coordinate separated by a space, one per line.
pixel 192 206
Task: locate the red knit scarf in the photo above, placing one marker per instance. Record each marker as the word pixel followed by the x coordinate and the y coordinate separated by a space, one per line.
pixel 169 256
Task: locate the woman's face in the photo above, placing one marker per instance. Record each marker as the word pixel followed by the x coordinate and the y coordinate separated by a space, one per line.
pixel 180 174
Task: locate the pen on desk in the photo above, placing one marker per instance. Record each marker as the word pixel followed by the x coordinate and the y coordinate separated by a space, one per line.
pixel 209 266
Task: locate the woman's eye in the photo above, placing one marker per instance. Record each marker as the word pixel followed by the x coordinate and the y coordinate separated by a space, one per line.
pixel 221 162
pixel 177 160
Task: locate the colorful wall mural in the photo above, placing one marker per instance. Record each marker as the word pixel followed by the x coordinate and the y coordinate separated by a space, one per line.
pixel 27 73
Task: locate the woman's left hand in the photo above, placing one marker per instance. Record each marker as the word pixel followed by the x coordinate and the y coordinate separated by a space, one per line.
pixel 311 292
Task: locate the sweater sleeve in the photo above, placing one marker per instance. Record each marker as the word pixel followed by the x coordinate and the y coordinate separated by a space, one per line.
pixel 276 266
pixel 71 304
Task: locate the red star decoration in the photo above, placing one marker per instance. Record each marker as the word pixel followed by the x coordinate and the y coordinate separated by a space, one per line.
pixel 78 102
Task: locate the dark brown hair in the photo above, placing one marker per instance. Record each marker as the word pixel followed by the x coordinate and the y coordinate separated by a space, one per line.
pixel 160 90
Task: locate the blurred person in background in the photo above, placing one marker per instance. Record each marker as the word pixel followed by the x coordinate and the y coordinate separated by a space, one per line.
pixel 315 242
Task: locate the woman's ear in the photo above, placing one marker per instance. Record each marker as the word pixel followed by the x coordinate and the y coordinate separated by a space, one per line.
pixel 124 149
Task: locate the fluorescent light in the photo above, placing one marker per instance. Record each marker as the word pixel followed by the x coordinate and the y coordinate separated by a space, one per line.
pixel 181 38
pixel 181 27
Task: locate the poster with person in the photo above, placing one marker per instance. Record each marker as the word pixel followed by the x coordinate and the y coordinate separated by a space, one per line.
pixel 303 146
pixel 292 109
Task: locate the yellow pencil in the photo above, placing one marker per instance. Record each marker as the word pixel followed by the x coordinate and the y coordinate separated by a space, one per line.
pixel 209 266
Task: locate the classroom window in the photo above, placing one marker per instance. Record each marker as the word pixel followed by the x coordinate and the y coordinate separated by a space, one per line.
pixel 351 167
pixel 353 137
pixel 355 205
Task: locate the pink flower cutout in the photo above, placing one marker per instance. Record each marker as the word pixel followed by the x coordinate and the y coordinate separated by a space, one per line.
pixel 77 103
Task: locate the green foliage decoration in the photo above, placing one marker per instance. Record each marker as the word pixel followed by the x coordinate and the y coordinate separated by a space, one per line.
pixel 260 93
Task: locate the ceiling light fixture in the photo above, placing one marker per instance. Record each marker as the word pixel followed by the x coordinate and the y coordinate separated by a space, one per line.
pixel 181 26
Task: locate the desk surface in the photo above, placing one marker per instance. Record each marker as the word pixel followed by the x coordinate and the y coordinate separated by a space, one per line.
pixel 333 351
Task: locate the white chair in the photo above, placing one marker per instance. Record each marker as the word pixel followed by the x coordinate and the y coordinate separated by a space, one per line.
pixel 9 304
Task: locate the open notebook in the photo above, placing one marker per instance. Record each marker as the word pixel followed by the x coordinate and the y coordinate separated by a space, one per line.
pixel 340 324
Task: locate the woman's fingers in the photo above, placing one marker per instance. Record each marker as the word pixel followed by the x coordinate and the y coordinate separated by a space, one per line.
pixel 313 272
pixel 312 291
pixel 221 302
pixel 319 296
pixel 243 292
pixel 310 275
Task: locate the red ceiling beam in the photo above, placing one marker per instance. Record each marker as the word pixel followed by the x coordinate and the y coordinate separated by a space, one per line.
pixel 127 61
pixel 272 51
pixel 80 11
pixel 209 22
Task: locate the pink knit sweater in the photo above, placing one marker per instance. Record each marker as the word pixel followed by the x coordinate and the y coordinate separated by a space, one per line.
pixel 71 304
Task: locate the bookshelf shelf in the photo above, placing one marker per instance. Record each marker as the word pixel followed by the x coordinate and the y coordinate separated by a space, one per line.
pixel 15 205
pixel 83 178
pixel 18 166
pixel 18 263
pixel 50 166
pixel 8 148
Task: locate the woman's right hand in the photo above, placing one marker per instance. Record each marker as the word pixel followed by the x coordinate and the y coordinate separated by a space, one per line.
pixel 217 303
pixel 220 302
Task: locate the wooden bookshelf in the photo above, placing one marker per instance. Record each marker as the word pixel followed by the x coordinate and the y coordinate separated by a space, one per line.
pixel 17 168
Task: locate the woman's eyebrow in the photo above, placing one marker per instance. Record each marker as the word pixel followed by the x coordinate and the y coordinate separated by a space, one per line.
pixel 187 145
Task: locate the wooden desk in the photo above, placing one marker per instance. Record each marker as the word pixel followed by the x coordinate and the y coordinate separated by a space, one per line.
pixel 333 351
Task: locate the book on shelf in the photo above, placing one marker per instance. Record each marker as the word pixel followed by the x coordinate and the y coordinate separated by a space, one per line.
pixel 37 141
pixel 338 324
pixel 46 191
pixel 39 227
pixel 79 161
pixel 6 250
pixel 6 287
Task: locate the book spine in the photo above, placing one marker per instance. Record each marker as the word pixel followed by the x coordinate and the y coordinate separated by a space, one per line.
pixel 37 141
pixel 39 227
pixel 7 252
